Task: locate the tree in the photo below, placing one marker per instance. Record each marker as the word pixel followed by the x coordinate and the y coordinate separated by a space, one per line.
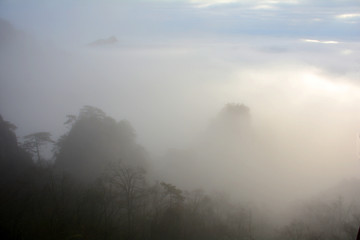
pixel 34 141
pixel 174 195
pixel 93 141
pixel 130 185
pixel 233 119
pixel 169 224
pixel 13 159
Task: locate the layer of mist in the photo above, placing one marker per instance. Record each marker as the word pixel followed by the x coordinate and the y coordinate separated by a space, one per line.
pixel 265 126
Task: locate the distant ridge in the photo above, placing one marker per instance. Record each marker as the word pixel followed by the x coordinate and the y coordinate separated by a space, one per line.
pixel 7 32
pixel 104 42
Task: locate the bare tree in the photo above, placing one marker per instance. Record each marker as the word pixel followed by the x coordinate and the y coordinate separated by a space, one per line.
pixel 130 183
pixel 34 141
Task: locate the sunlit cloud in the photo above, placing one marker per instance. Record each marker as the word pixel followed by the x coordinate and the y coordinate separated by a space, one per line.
pixel 317 20
pixel 346 52
pixel 317 83
pixel 348 16
pixel 207 3
pixel 280 1
pixel 258 4
pixel 318 41
pixel 264 7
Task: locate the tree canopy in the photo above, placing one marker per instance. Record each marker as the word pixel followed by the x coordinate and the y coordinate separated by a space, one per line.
pixel 13 159
pixel 34 141
pixel 93 141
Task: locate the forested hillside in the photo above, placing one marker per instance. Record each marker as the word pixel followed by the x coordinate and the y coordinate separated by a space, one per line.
pixel 98 188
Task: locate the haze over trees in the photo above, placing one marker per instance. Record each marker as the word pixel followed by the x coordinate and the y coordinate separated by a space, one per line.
pixel 34 141
pixel 94 141
pixel 99 188
pixel 214 120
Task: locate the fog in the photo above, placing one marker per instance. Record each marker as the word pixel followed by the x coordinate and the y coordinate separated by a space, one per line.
pixel 171 71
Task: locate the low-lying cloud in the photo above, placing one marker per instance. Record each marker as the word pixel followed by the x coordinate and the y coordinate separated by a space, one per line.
pixel 171 80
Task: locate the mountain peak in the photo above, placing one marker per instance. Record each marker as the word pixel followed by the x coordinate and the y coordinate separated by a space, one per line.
pixel 104 41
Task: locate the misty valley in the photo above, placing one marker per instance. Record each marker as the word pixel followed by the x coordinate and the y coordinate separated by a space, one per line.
pixel 101 184
pixel 179 120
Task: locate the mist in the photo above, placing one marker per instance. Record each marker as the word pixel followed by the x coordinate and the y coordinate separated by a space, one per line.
pixel 252 101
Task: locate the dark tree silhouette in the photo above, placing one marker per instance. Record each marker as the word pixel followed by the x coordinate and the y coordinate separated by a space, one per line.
pixel 130 185
pixel 12 157
pixel 40 202
pixel 34 141
pixel 94 140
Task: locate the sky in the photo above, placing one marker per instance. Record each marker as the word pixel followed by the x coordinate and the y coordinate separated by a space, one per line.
pixel 82 21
